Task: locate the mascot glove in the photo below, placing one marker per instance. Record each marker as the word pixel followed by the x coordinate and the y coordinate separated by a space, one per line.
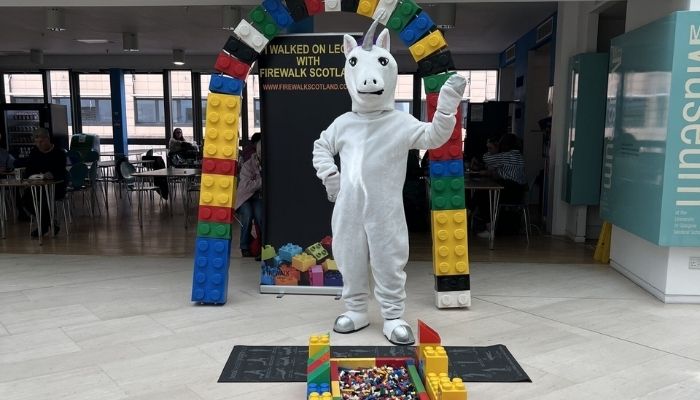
pixel 332 186
pixel 451 94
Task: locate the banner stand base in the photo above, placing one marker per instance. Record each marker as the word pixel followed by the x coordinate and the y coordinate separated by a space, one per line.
pixel 316 290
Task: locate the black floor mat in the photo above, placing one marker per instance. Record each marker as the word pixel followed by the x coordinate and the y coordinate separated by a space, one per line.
pixel 288 363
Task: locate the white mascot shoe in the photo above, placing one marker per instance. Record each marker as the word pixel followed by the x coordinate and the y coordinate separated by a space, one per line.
pixel 398 332
pixel 350 321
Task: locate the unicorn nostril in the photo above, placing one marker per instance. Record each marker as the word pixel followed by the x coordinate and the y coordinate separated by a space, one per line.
pixel 375 81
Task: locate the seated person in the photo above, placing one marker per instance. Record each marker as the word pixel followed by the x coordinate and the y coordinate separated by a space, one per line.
pixel 7 162
pixel 491 148
pixel 50 161
pixel 508 168
pixel 180 149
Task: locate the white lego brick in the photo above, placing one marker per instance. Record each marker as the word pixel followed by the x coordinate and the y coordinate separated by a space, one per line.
pixel 456 299
pixel 248 34
pixel 332 5
pixel 384 10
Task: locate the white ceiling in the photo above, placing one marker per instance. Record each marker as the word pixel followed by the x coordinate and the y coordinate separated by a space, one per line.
pixel 481 28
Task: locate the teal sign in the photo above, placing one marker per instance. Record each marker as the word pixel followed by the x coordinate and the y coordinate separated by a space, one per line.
pixel 651 165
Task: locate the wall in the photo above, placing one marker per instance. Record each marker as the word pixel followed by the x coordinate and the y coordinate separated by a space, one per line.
pixel 641 12
pixel 538 74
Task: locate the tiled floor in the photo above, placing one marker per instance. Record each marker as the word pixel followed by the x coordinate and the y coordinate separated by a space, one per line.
pixel 90 327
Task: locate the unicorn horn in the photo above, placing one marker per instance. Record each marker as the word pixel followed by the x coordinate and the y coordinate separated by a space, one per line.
pixel 368 40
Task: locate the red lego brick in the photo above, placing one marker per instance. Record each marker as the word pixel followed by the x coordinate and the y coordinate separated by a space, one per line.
pixel 282 280
pixel 223 215
pixel 427 335
pixel 452 150
pixel 231 66
pixel 290 272
pixel 327 243
pixel 219 167
pixel 314 6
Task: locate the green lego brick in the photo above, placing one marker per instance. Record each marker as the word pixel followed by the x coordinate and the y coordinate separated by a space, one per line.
pixel 433 83
pixel 322 374
pixel 263 22
pixel 447 193
pixel 317 251
pixel 402 15
pixel 415 378
pixel 268 252
pixel 214 230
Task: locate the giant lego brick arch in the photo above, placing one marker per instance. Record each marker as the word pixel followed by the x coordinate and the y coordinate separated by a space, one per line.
pixel 427 46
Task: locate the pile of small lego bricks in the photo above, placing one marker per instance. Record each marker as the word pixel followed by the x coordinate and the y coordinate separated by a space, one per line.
pixel 294 266
pixel 382 382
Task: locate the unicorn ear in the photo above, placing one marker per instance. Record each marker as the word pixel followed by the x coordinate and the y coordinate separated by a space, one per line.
pixel 383 40
pixel 349 43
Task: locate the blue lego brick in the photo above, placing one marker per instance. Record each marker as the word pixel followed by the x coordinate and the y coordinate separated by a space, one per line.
pixel 268 274
pixel 278 12
pixel 318 388
pixel 288 251
pixel 210 277
pixel 273 262
pixel 416 29
pixel 225 85
pixel 446 168
pixel 332 278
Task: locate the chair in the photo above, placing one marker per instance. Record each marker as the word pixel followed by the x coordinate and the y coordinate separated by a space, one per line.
pixel 519 205
pixel 127 170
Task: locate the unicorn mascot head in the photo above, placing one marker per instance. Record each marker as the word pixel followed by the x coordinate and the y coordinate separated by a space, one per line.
pixel 370 72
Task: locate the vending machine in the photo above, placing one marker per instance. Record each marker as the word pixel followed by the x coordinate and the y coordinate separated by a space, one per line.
pixel 19 121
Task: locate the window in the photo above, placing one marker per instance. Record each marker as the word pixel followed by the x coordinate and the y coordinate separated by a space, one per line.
pixel 256 113
pixel 26 100
pixel 96 111
pixel 20 87
pixel 149 111
pixel 403 105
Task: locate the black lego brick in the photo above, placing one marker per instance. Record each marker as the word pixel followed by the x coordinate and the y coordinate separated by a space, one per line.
pixel 349 5
pixel 237 48
pixel 435 64
pixel 451 283
pixel 297 8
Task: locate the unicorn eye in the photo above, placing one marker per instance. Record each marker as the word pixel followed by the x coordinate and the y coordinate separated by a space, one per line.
pixel 383 60
pixel 353 61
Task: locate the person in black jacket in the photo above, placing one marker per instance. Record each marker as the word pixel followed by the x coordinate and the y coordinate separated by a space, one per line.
pixel 50 161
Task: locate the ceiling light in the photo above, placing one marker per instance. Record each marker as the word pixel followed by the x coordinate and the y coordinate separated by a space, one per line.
pixel 130 41
pixel 36 56
pixel 179 57
pixel 443 15
pixel 230 18
pixel 55 20
pixel 92 41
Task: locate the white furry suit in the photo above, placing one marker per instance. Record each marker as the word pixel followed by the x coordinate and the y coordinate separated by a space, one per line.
pixel 369 226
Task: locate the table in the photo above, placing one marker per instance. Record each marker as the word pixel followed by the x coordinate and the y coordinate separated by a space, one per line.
pixel 476 182
pixel 170 174
pixel 35 186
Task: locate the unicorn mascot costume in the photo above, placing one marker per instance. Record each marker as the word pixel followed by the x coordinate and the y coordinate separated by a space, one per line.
pixel 373 140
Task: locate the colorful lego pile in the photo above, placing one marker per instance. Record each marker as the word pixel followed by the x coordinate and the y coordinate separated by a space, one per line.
pixel 383 382
pixel 294 266
pixel 424 377
pixel 213 245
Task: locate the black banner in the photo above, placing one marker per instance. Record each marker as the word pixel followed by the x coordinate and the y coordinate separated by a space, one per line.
pixel 302 90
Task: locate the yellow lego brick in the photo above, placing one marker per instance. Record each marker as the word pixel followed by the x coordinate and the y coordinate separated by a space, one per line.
pixel 432 386
pixel 435 359
pixel 303 262
pixel 366 7
pixel 314 396
pixel 355 362
pixel 427 46
pixel 335 389
pixel 318 343
pixel 326 396
pixel 221 134
pixel 330 265
pixel 422 346
pixel 450 242
pixel 452 390
pixel 217 190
